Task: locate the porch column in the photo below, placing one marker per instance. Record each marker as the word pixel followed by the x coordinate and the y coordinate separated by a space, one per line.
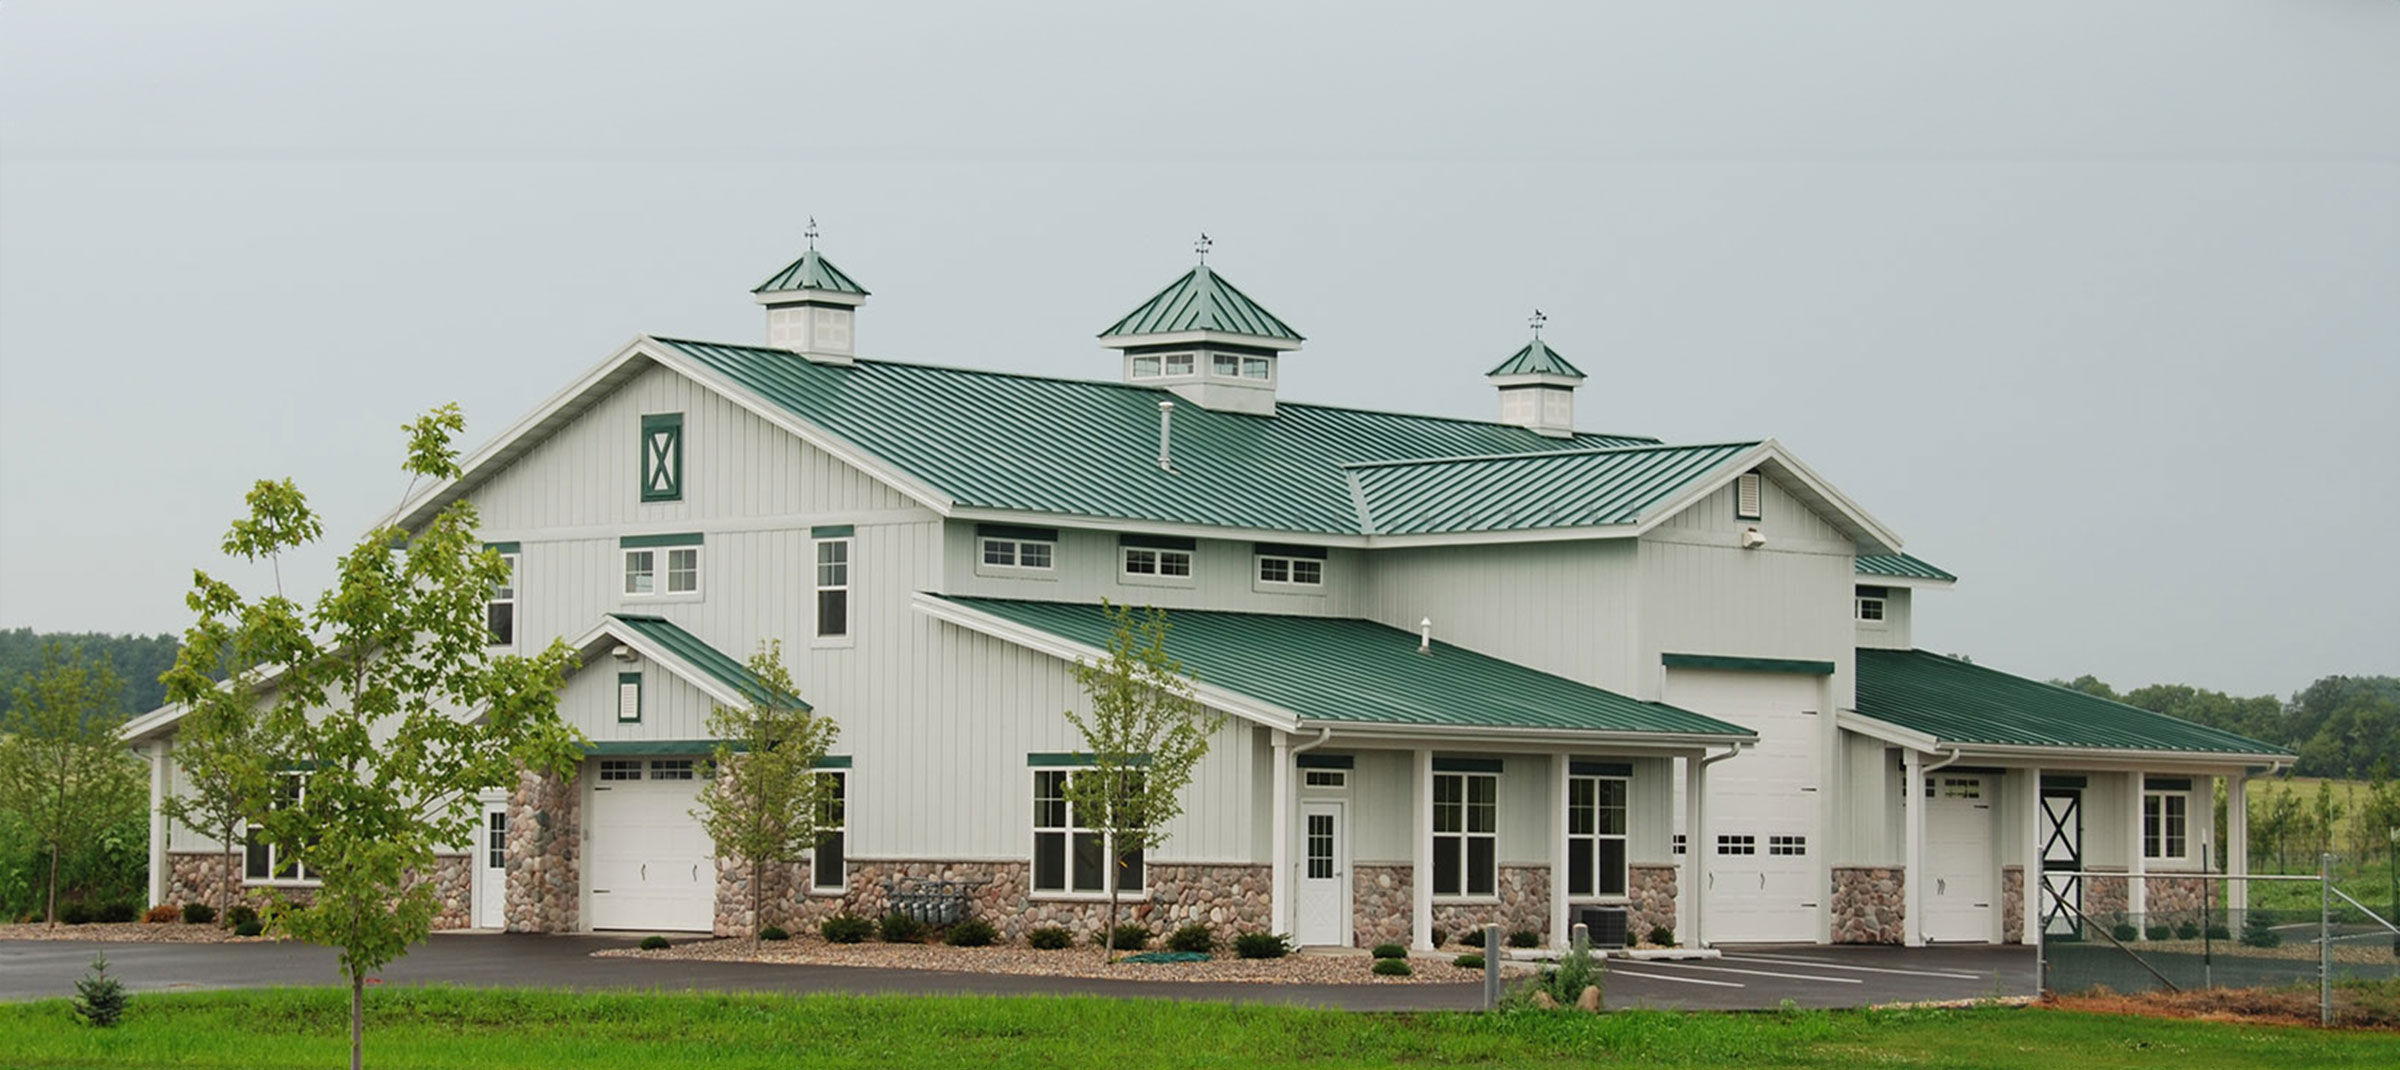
pixel 1420 918
pixel 1279 840
pixel 2137 890
pixel 162 781
pixel 1695 850
pixel 2030 856
pixel 1558 849
pixel 2237 842
pixel 1912 884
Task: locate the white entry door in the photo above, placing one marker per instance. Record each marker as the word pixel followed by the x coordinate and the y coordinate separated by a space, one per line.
pixel 652 865
pixel 1324 876
pixel 491 868
pixel 1962 886
pixel 1766 877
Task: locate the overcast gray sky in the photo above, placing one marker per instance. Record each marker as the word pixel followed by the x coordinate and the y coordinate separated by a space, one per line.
pixel 2095 303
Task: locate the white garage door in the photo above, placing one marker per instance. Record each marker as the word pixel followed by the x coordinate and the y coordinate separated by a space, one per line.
pixel 1961 857
pixel 1766 878
pixel 650 865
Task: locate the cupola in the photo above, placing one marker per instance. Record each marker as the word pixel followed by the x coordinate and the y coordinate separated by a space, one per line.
pixel 1206 341
pixel 812 307
pixel 1537 387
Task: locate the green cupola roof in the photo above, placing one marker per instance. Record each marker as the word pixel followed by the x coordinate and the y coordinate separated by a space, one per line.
pixel 1202 301
pixel 1537 358
pixel 811 272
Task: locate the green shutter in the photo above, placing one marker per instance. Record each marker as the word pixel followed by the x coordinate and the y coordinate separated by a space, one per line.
pixel 662 457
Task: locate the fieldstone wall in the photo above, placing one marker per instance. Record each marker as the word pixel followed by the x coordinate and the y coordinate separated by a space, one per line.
pixel 1229 899
pixel 1652 896
pixel 2174 900
pixel 1524 903
pixel 199 877
pixel 1382 903
pixel 1870 904
pixel 2104 899
pixel 544 855
pixel 2012 904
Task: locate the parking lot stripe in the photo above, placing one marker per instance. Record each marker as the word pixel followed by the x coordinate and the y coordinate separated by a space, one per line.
pixel 1823 965
pixel 1683 980
pixel 1769 973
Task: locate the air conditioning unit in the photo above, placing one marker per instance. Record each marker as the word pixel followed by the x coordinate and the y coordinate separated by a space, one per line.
pixel 1607 925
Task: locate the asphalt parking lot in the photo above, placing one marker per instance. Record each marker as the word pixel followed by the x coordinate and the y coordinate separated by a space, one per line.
pixel 1744 979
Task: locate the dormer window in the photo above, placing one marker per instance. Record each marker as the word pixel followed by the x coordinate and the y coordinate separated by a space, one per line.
pixel 1871 604
pixel 1154 559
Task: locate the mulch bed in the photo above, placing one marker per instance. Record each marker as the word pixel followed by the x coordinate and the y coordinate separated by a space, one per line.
pixel 1078 961
pixel 2356 1007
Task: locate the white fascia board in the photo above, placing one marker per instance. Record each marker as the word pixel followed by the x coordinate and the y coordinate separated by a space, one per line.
pixel 1473 736
pixel 155 723
pixel 611 631
pixel 807 431
pixel 2103 758
pixel 1525 379
pixel 1772 452
pixel 1854 721
pixel 1183 338
pixel 1924 583
pixel 1462 538
pixel 1239 705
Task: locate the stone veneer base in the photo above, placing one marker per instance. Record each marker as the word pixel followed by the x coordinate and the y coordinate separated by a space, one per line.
pixel 1230 899
pixel 1870 904
pixel 199 877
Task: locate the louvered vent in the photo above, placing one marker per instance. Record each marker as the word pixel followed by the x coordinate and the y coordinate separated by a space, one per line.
pixel 629 697
pixel 1747 492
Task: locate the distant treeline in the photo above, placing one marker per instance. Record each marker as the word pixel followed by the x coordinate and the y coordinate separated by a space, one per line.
pixel 137 659
pixel 2341 726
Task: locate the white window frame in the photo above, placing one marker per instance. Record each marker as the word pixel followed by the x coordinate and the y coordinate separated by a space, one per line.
pixel 1146 367
pixel 1466 836
pixel 847 587
pixel 834 824
pixel 648 571
pixel 1168 364
pixel 692 583
pixel 1158 564
pixel 2161 819
pixel 505 595
pixel 1592 833
pixel 674 769
pixel 1263 366
pixel 1291 569
pixel 1014 552
pixel 1882 607
pixel 657 565
pixel 299 877
pixel 1067 831
pixel 1325 779
pixel 613 770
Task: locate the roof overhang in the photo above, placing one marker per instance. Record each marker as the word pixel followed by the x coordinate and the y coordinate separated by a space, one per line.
pixel 2048 757
pixel 1518 380
pixel 1796 479
pixel 1197 338
pixel 611 633
pixel 1870 579
pixel 777 298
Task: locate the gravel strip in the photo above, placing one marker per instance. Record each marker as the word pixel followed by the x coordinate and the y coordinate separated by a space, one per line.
pixel 173 932
pixel 1082 961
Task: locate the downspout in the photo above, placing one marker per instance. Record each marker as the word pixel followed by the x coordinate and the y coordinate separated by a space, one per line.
pixel 1695 822
pixel 1282 890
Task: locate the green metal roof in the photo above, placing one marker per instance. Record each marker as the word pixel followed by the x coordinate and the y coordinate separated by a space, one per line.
pixel 1537 358
pixel 1961 703
pixel 1330 669
pixel 1090 449
pixel 717 664
pixel 1901 566
pixel 1202 301
pixel 1559 488
pixel 811 272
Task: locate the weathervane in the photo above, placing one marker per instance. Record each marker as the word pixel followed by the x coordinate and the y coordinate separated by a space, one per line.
pixel 1539 318
pixel 1201 247
pixel 812 234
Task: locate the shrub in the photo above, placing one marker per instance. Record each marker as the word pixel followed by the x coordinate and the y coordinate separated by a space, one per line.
pixel 75 914
pixel 240 914
pixel 2258 930
pixel 1468 962
pixel 773 932
pixel 845 929
pixel 1131 936
pixel 253 927
pixel 99 999
pixel 1194 938
pixel 198 913
pixel 2189 930
pixel 2160 932
pixel 654 943
pixel 973 932
pixel 2219 932
pixel 898 928
pixel 1661 936
pixel 1524 938
pixel 1049 938
pixel 118 912
pixel 1565 982
pixel 2125 932
pixel 1390 951
pixel 1392 968
pixel 162 914
pixel 1262 945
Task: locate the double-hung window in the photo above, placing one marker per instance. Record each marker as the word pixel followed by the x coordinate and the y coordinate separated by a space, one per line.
pixel 826 872
pixel 266 860
pixel 1071 854
pixel 1466 834
pixel 1596 835
pixel 833 581
pixel 2166 819
pixel 661 564
pixel 500 611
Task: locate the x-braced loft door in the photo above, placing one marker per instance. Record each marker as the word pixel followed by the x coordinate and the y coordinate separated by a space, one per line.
pixel 2062 857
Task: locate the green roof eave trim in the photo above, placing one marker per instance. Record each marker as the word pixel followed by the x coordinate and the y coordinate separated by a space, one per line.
pixel 687 648
pixel 1738 664
pixel 1333 671
pixel 1961 704
pixel 1071 759
pixel 1902 567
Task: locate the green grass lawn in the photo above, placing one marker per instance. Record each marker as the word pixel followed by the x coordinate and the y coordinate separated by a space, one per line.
pixel 501 1029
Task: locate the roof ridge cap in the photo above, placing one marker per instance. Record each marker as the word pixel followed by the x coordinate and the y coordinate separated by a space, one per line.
pixel 1586 451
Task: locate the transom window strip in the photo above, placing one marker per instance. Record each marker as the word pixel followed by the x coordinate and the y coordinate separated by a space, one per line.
pixel 620 769
pixel 1018 553
pixel 1737 845
pixel 670 769
pixel 1787 845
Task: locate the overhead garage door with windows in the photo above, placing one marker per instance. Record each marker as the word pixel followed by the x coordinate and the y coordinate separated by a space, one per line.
pixel 1766 875
pixel 651 864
